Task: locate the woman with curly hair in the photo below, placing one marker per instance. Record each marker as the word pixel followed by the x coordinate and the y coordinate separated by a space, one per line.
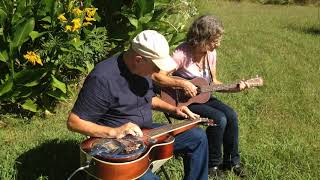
pixel 197 57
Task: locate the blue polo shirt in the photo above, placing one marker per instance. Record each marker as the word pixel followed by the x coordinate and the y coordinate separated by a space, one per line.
pixel 112 96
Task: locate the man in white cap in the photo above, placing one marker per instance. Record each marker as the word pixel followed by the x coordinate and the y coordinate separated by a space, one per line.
pixel 117 99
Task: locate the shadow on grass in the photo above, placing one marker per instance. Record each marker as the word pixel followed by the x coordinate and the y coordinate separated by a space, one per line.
pixel 313 30
pixel 54 159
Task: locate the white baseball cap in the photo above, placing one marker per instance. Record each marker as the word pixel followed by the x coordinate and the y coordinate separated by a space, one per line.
pixel 154 46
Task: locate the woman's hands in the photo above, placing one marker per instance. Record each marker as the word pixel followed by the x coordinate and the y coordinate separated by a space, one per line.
pixel 243 85
pixel 189 88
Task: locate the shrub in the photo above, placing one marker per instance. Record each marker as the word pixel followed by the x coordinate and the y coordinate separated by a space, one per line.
pixel 43 45
pixel 46 44
pixel 125 19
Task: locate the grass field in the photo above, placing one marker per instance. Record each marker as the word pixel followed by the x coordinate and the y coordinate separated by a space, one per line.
pixel 279 123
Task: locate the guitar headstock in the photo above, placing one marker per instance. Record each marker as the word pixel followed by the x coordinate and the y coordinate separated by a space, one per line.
pixel 207 122
pixel 254 82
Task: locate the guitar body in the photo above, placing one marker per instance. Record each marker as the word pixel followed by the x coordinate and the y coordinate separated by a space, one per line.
pixel 155 155
pixel 130 157
pixel 177 97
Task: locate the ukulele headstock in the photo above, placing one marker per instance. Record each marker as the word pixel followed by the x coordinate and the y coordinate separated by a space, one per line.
pixel 254 82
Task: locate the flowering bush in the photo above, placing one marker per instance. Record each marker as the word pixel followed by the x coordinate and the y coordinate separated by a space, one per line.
pixel 43 46
pixel 46 44
pixel 80 18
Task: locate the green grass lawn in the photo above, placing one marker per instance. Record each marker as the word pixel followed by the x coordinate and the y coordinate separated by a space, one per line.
pixel 279 123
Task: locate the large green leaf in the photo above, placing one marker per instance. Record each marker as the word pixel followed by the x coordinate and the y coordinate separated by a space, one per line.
pixel 77 43
pixel 57 94
pixel 21 33
pixel 46 19
pixel 75 67
pixel 30 105
pixel 4 56
pixel 6 87
pixel 146 18
pixel 58 84
pixel 49 6
pixel 3 16
pixel 144 7
pixel 29 77
pixel 17 18
pixel 21 6
pixel 35 34
pixel 177 38
pixel 133 21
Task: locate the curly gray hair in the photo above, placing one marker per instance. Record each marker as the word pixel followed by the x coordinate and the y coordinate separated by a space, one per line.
pixel 203 29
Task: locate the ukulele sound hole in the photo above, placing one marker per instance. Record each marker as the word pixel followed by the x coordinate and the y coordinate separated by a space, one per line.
pixel 181 96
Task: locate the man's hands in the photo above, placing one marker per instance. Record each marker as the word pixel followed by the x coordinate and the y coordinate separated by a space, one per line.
pixel 126 129
pixel 185 112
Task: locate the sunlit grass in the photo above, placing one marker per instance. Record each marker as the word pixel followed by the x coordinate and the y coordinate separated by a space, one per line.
pixel 279 123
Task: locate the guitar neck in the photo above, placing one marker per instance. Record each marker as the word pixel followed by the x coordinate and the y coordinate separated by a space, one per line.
pixel 218 87
pixel 173 128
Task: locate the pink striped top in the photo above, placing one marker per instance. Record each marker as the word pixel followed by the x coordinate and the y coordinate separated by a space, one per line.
pixel 188 69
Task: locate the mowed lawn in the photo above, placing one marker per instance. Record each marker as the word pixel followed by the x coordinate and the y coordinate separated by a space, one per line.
pixel 279 123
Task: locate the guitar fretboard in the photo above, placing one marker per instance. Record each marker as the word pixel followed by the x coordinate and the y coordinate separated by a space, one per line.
pixel 154 133
pixel 218 87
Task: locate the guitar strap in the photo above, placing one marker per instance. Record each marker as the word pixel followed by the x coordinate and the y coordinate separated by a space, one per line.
pixel 209 69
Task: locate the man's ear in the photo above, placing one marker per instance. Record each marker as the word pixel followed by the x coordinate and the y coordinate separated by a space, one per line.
pixel 139 59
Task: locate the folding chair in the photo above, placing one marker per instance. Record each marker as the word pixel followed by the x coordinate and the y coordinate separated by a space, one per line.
pixel 168 117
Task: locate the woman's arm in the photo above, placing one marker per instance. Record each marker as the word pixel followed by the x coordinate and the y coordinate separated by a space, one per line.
pixel 214 76
pixel 239 87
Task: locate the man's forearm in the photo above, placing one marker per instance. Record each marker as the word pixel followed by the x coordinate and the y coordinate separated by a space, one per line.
pixel 160 105
pixel 75 123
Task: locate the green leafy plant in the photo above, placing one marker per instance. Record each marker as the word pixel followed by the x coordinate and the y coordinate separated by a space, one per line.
pixel 125 19
pixel 44 46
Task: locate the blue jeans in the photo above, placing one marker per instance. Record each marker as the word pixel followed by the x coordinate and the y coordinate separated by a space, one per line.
pixel 224 134
pixel 193 145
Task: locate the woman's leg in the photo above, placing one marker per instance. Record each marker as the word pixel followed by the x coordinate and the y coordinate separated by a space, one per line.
pixel 231 154
pixel 215 133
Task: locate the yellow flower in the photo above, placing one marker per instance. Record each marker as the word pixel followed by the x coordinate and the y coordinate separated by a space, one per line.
pixel 76 24
pixel 87 23
pixel 67 28
pixel 33 58
pixel 90 19
pixel 90 11
pixel 77 11
pixel 62 18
